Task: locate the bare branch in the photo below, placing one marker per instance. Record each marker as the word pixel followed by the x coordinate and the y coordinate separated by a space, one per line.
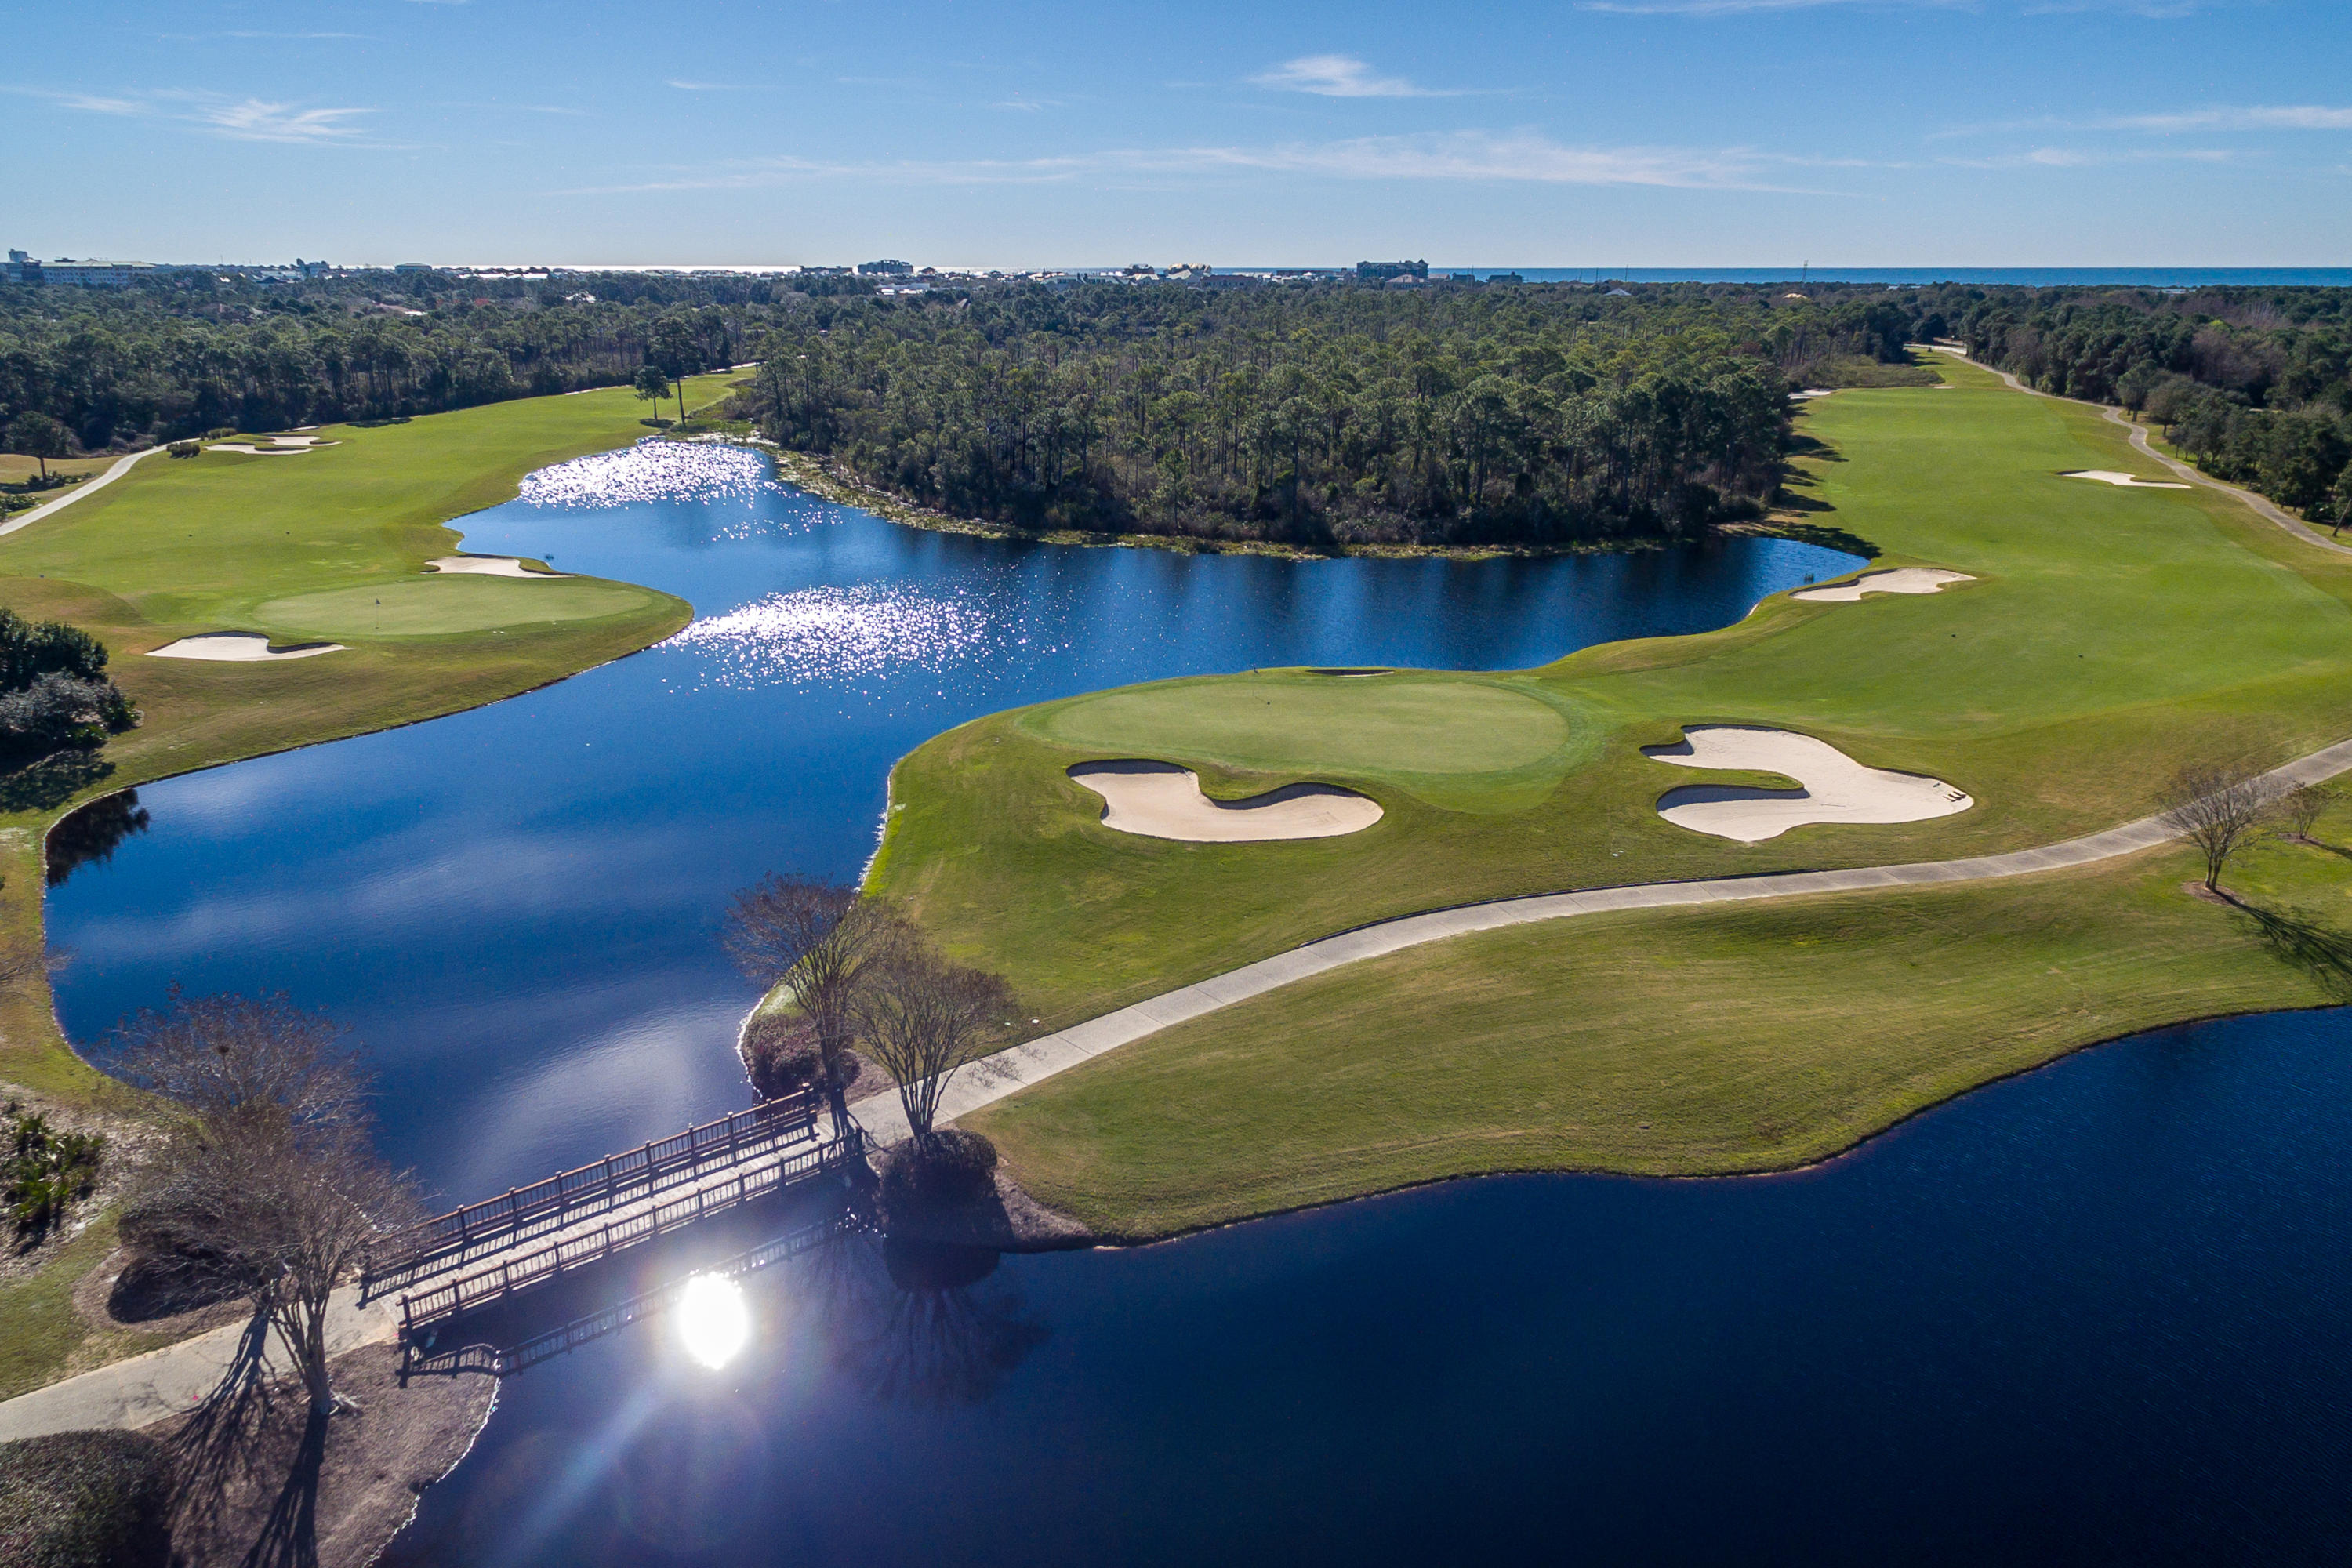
pixel 2219 806
pixel 923 1018
pixel 819 937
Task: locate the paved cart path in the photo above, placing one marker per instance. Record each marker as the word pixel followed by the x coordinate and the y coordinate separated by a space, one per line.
pixel 1015 1070
pixel 88 486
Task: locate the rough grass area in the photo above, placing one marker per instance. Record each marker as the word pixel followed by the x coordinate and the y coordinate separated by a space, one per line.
pixel 1684 1042
pixel 85 1500
pixel 2111 633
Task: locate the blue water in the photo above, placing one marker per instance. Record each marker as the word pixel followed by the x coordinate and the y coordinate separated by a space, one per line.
pixel 2095 1315
pixel 517 908
pixel 2092 1315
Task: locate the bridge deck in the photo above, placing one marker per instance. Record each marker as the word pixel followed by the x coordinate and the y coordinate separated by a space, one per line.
pixel 545 1254
pixel 662 1170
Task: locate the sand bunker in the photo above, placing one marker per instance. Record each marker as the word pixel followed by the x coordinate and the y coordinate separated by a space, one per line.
pixel 279 446
pixel 487 566
pixel 239 648
pixel 1811 392
pixel 2127 481
pixel 1897 580
pixel 1160 800
pixel 1836 788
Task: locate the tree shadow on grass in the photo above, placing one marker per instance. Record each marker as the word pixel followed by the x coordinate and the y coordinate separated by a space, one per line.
pixel 46 785
pixel 2320 951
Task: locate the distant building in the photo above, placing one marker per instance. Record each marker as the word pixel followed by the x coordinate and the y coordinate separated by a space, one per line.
pixel 22 269
pixel 412 267
pixel 886 267
pixel 311 268
pixel 1619 294
pixel 1505 278
pixel 1387 271
pixel 93 274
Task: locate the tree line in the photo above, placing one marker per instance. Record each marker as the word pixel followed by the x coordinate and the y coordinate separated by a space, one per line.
pixel 2255 385
pixel 1324 412
pixel 1321 414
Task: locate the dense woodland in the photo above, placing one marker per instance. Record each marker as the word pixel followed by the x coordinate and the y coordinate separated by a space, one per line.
pixel 1316 413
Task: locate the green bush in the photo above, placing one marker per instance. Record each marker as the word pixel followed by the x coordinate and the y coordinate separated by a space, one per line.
pixel 85 1500
pixel 43 1171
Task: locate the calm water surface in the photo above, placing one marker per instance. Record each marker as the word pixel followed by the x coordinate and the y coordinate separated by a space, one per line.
pixel 517 908
pixel 2095 1314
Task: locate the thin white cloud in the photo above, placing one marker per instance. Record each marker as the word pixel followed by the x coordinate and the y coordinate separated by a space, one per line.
pixel 2258 116
pixel 238 119
pixel 1518 157
pixel 2083 158
pixel 1339 76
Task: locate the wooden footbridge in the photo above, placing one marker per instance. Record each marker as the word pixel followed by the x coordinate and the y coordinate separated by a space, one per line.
pixel 454 1263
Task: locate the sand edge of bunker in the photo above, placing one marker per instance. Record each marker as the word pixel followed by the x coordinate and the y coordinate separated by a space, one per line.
pixel 1162 800
pixel 240 648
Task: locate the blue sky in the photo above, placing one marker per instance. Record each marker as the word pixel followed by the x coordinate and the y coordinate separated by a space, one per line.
pixel 1610 133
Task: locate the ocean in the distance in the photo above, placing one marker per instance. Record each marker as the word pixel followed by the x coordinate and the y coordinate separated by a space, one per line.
pixel 2029 276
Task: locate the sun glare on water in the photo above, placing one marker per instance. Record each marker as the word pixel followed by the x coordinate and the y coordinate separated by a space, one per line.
pixel 714 1323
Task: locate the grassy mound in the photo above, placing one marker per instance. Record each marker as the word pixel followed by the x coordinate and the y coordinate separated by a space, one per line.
pixel 84 1499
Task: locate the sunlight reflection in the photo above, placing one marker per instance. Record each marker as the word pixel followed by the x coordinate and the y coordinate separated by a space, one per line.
pixel 654 469
pixel 821 634
pixel 713 1321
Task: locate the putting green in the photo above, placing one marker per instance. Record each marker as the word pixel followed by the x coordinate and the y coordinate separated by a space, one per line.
pixel 432 605
pixel 1292 722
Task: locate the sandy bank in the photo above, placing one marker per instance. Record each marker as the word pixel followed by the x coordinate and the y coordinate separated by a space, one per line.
pixel 487 566
pixel 1836 788
pixel 2122 481
pixel 1897 580
pixel 1160 800
pixel 239 648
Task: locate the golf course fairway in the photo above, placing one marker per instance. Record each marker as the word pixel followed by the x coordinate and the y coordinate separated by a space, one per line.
pixel 2111 634
pixel 330 545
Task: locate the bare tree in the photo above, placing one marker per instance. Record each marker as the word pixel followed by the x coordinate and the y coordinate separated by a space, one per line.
pixel 267 1181
pixel 923 1018
pixel 2220 807
pixel 2299 810
pixel 819 937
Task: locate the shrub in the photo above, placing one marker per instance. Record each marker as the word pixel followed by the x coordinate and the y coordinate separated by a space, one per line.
pixel 84 1499
pixel 781 1054
pixel 43 1171
pixel 184 449
pixel 949 1168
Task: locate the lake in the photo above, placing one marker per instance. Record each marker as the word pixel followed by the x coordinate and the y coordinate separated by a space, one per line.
pixel 2093 1313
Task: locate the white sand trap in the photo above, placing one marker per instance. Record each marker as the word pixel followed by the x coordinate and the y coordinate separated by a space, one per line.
pixel 279 447
pixel 1895 579
pixel 487 566
pixel 1160 800
pixel 1836 788
pixel 239 648
pixel 1811 392
pixel 2127 481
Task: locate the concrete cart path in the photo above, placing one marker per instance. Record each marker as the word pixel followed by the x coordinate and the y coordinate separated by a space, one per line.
pixel 1013 1070
pixel 147 1388
pixel 88 486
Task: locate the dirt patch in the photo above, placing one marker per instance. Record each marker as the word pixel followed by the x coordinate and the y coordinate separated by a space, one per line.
pixel 118 1294
pixel 346 1485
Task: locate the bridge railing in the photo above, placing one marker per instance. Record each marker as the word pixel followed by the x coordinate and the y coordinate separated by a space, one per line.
pixel 421 1309
pixel 628 1177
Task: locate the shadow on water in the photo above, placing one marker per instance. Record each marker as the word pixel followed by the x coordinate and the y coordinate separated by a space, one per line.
pixel 91 835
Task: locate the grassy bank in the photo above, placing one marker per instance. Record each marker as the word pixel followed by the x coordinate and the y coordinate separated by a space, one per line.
pixel 1685 1042
pixel 301 548
pixel 2109 634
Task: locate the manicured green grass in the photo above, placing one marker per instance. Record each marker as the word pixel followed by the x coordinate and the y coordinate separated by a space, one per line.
pixel 1680 1042
pixel 426 606
pixel 299 548
pixel 2110 633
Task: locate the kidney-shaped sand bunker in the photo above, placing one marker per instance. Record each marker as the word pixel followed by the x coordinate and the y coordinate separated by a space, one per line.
pixel 1836 788
pixel 1160 800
